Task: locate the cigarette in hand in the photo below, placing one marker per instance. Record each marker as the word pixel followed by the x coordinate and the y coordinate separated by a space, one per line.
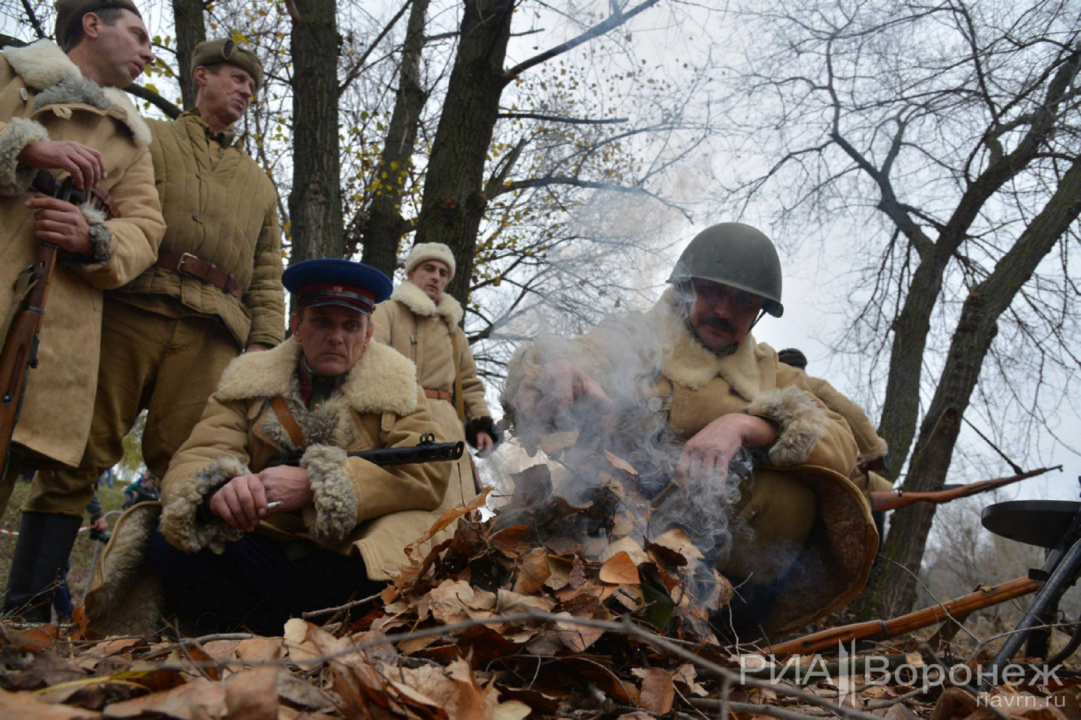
pixel 274 505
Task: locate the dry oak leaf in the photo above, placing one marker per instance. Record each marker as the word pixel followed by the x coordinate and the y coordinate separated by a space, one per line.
pixel 455 690
pixel 252 694
pixel 24 705
pixel 533 571
pixel 260 649
pixel 559 572
pixel 687 675
pixel 620 570
pixel 575 636
pixel 627 545
pixel 450 600
pixel 511 602
pixel 200 699
pixel 658 692
pixel 620 464
pixel 678 540
pixel 306 642
pixel 445 521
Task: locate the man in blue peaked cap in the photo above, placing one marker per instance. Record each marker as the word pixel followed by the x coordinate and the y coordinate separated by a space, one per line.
pixel 244 542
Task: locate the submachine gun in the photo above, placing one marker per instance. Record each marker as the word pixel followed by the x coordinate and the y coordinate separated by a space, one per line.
pixel 1056 526
pixel 426 451
pixel 23 325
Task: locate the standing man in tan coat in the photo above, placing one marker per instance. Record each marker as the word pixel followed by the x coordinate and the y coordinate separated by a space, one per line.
pixel 216 290
pixel 421 321
pixel 62 110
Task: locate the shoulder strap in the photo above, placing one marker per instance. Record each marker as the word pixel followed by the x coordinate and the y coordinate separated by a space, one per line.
pixel 288 422
pixel 459 401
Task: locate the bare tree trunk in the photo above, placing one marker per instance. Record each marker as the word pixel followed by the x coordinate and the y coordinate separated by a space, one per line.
pixel 190 31
pixel 890 586
pixel 894 585
pixel 384 228
pixel 315 203
pixel 454 201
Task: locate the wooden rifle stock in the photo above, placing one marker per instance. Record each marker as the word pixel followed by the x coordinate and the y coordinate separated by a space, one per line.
pixel 20 349
pixel 897 499
pixel 20 345
pixel 878 629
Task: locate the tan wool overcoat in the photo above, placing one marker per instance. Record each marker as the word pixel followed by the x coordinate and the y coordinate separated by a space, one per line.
pixel 43 96
pixel 414 325
pixel 359 507
pixel 678 387
pixel 225 213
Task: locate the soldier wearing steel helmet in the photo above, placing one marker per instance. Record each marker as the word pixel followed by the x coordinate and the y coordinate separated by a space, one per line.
pixel 692 368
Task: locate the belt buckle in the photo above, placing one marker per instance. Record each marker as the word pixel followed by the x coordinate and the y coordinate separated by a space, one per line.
pixel 183 259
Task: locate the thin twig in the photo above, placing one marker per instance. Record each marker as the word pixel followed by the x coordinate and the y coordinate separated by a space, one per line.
pixel 347 606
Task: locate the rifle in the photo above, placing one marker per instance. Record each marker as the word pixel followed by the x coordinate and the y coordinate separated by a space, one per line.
pixel 897 499
pixel 20 333
pixel 428 450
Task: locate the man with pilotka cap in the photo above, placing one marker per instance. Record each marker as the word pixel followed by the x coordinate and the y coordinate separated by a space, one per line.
pixel 62 110
pixel 243 542
pixel 215 290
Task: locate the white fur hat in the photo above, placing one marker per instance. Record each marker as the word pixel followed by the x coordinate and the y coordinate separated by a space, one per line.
pixel 422 252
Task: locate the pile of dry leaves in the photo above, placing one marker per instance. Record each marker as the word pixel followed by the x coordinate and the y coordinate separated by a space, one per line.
pixel 551 608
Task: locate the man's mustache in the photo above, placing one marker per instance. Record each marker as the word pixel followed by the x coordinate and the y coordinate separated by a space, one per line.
pixel 719 323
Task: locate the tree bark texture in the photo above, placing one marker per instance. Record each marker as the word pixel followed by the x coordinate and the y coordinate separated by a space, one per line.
pixel 453 200
pixel 315 202
pixel 384 227
pixel 892 588
pixel 971 342
pixel 190 31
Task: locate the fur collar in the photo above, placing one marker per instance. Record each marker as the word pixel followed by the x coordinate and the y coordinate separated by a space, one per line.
pixel 686 362
pixel 418 301
pixel 44 67
pixel 382 381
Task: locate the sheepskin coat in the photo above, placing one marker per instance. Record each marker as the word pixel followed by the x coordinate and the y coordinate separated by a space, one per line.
pixel 653 362
pixel 414 325
pixel 44 96
pixel 223 212
pixel 358 506
pixel 869 445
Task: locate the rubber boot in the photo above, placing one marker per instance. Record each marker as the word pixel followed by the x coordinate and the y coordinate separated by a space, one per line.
pixel 44 544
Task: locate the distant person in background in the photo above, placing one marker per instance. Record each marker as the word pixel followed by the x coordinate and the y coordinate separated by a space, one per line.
pixel 109 477
pixel 144 489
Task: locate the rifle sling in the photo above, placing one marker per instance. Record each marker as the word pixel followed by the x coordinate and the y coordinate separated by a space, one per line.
pixel 281 409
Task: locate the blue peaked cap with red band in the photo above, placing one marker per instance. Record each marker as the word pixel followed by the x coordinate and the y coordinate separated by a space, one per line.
pixel 344 283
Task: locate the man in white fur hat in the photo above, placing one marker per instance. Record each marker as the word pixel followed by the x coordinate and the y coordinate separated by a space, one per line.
pixel 421 321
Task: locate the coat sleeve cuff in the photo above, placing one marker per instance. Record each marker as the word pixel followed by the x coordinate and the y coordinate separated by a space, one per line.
pixel 802 423
pixel 185 521
pixel 15 179
pixel 478 425
pixel 333 513
pixel 101 237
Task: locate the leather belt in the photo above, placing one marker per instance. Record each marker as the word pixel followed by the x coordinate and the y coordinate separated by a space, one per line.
pixel 437 395
pixel 188 264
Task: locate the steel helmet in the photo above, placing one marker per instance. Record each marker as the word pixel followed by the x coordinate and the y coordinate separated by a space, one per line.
pixel 737 255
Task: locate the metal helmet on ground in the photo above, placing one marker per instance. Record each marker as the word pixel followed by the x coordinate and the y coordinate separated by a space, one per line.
pixel 734 254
